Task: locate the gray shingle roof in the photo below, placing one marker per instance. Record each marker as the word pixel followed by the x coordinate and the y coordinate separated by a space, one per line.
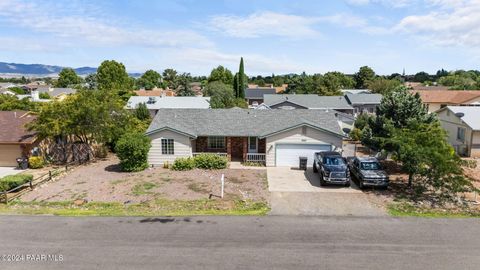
pixel 470 115
pixel 169 102
pixel 241 122
pixel 364 98
pixel 310 101
pixel 257 93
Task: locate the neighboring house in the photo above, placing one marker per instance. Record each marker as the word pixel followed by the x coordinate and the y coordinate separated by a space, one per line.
pixel 462 124
pixel 155 93
pixel 15 140
pixel 435 100
pixel 364 103
pixel 254 96
pixel 57 93
pixel 7 92
pixel 7 85
pixel 276 137
pixel 156 103
pixel 197 88
pixel 290 102
pixel 33 96
pixel 355 91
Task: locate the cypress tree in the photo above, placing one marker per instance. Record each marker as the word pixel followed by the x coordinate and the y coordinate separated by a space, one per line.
pixel 241 82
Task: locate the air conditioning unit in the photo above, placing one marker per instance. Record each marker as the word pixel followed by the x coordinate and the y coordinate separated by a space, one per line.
pixel 462 150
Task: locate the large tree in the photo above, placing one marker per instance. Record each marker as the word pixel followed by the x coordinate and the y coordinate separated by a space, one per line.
pixel 364 75
pixel 382 85
pixel 221 95
pixel 112 75
pixel 330 83
pixel 149 80
pixel 221 74
pixel 67 77
pixel 91 81
pixel 170 78
pixel 240 83
pixel 421 76
pixel 184 85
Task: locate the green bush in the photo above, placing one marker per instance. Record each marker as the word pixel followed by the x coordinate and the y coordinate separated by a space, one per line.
pixel 132 150
pixel 183 164
pixel 12 181
pixel 356 134
pixel 210 161
pixel 36 162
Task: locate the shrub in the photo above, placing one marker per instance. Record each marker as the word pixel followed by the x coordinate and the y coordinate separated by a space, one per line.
pixel 183 164
pixel 210 161
pixel 13 181
pixel 36 162
pixel 132 150
pixel 356 134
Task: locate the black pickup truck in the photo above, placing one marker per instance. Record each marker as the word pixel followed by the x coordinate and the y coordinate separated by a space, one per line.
pixel 368 172
pixel 332 168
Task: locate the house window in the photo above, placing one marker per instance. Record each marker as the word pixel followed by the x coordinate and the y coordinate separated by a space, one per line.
pixel 461 134
pixel 216 142
pixel 167 147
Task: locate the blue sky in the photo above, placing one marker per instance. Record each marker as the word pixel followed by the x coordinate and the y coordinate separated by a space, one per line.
pixel 273 36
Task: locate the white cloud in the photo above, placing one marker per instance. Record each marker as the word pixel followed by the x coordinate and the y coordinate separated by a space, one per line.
pixel 390 3
pixel 453 23
pixel 90 27
pixel 263 24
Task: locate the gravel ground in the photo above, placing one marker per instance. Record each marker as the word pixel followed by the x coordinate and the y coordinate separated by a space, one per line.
pixel 103 181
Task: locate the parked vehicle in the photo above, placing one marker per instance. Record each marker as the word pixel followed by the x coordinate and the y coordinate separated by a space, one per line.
pixel 368 171
pixel 332 168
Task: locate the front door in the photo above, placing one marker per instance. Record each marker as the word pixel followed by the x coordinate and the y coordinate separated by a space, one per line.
pixel 252 145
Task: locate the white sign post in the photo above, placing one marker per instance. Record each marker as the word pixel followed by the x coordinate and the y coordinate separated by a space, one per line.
pixel 223 184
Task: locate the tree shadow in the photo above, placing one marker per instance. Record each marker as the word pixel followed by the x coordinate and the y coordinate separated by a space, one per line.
pixel 114 168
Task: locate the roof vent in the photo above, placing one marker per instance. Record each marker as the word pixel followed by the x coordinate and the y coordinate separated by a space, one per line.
pixel 151 100
pixel 459 114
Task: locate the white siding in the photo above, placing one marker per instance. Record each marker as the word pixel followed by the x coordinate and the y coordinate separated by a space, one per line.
pixel 311 136
pixel 182 147
pixel 451 123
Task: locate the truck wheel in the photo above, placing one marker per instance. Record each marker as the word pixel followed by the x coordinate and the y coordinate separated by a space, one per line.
pixel 360 184
pixel 347 184
pixel 322 182
pixel 315 170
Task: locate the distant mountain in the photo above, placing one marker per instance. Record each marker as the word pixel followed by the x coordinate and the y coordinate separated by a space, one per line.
pixel 38 69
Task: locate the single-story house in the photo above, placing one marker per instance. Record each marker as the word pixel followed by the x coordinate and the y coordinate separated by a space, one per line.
pixel 15 140
pixel 58 93
pixel 156 103
pixel 435 100
pixel 364 103
pixel 462 124
pixel 274 137
pixel 254 96
pixel 309 101
pixel 7 92
pixel 6 85
pixel 157 92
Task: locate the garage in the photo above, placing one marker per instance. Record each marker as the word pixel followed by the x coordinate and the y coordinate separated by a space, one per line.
pixel 288 154
pixel 9 154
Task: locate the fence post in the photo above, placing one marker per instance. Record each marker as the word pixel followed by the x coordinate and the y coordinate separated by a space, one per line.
pixel 31 185
pixel 6 196
pixel 66 167
pixel 49 175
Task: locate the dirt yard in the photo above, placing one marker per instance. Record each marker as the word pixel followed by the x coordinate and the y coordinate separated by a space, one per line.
pixel 102 181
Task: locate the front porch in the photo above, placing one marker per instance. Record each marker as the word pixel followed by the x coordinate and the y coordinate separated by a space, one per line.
pixel 243 149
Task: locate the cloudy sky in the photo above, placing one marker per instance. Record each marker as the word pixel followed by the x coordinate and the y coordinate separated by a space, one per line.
pixel 273 36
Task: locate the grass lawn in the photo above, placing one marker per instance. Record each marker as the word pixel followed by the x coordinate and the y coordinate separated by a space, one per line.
pixel 403 209
pixel 158 207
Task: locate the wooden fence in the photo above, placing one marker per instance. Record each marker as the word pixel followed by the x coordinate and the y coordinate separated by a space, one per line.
pixel 16 192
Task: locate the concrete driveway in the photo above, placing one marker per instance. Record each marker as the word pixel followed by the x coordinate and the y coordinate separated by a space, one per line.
pixel 4 171
pixel 296 192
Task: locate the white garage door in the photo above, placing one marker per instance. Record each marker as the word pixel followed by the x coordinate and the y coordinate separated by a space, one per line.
pixel 9 154
pixel 288 154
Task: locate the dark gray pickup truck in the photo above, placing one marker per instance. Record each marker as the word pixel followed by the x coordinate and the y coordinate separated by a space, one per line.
pixel 332 168
pixel 368 172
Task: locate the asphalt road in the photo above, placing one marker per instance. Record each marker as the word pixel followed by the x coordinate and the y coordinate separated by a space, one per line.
pixel 272 242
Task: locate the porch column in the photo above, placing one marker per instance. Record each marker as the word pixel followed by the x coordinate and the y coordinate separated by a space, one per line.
pixel 229 148
pixel 245 148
